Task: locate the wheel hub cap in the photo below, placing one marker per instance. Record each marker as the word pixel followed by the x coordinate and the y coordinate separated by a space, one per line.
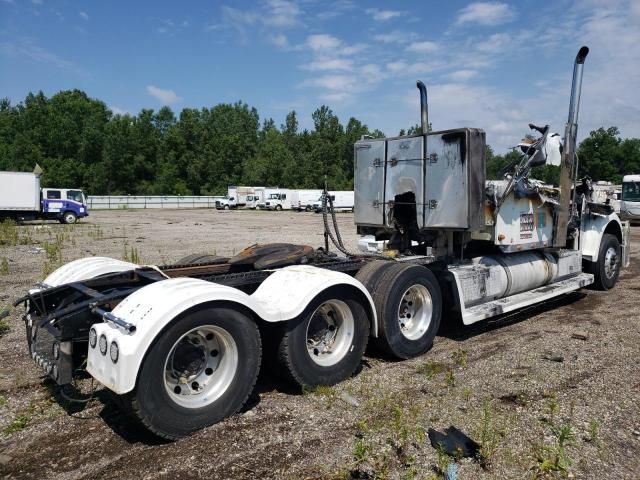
pixel 610 262
pixel 200 366
pixel 415 312
pixel 330 333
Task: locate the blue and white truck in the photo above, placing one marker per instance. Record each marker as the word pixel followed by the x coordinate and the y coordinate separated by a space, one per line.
pixel 21 198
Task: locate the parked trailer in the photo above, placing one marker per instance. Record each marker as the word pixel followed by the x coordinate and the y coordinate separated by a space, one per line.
pixel 182 344
pixel 304 199
pixel 342 201
pixel 21 198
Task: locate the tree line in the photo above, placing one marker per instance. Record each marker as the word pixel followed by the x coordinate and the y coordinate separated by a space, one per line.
pixel 79 142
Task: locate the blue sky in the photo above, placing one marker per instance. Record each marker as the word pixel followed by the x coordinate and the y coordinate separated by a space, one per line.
pixel 494 65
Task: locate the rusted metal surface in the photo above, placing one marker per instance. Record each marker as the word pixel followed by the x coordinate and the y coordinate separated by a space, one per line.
pixel 273 255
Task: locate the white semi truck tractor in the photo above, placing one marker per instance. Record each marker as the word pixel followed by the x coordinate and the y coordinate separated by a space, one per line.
pixel 181 345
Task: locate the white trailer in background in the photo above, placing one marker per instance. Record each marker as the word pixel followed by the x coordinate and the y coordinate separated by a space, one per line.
pixel 304 199
pixel 343 201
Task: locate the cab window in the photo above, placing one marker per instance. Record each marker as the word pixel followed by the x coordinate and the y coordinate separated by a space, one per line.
pixel 75 195
pixel 53 195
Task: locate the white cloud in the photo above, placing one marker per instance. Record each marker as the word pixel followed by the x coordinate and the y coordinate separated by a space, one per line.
pixel 332 82
pixel 397 36
pixel 27 49
pixel 336 9
pixel 84 15
pixel 496 43
pixel 423 47
pixel 329 64
pixel 279 40
pixel 119 111
pixel 323 41
pixel 383 15
pixel 336 97
pixel 462 75
pixel 274 14
pixel 166 97
pixel 485 13
pixel 282 14
pixel 398 66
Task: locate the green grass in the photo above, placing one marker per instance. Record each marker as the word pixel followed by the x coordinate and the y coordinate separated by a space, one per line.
pixel 21 421
pixel 4 266
pixel 489 435
pixel 460 357
pixel 430 369
pixel 130 254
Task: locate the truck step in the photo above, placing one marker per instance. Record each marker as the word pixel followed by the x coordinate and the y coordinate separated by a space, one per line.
pixel 524 299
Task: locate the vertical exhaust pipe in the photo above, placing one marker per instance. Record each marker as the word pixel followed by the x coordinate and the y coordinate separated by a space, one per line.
pixel 568 166
pixel 424 109
pixel 571 130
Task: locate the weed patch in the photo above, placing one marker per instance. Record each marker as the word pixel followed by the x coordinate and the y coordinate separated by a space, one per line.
pixel 21 421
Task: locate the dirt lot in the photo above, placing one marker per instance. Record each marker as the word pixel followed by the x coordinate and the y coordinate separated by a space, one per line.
pixel 537 398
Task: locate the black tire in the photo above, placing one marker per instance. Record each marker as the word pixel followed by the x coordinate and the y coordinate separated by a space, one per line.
pixel 278 208
pixel 226 207
pixel 606 269
pixel 199 258
pixel 69 218
pixel 157 409
pixel 407 289
pixel 294 356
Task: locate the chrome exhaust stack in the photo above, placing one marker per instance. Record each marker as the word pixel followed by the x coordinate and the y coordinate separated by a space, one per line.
pixel 568 165
pixel 571 130
pixel 424 109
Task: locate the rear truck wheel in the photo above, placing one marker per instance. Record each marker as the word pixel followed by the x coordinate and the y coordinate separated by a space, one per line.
pixel 200 370
pixel 408 303
pixel 199 258
pixel 69 218
pixel 606 269
pixel 325 344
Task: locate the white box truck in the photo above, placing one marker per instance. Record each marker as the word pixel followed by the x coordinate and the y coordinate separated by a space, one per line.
pixel 21 198
pixel 276 199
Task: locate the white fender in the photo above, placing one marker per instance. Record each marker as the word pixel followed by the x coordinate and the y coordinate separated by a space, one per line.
pixel 282 296
pixel 86 268
pixel 591 231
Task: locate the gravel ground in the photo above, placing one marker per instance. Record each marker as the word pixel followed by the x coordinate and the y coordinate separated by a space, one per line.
pixel 501 382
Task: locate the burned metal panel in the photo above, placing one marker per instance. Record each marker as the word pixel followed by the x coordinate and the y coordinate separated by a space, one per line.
pixel 476 165
pixel 455 176
pixel 404 175
pixel 523 224
pixel 369 160
pixel 446 182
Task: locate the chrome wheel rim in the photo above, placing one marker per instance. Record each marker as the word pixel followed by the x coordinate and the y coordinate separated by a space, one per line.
pixel 610 262
pixel 415 312
pixel 69 218
pixel 200 366
pixel 330 333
